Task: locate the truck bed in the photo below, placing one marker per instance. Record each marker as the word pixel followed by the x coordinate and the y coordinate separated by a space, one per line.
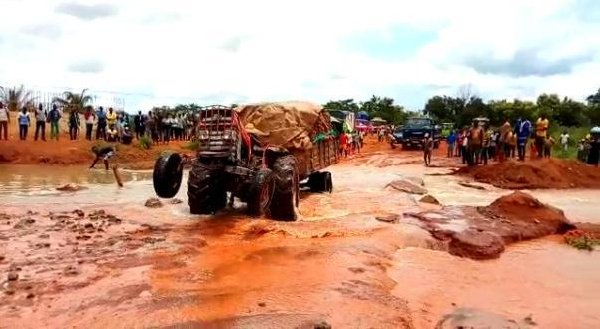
pixel 323 154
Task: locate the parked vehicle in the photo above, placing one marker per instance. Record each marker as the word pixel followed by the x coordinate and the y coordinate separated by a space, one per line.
pixel 397 136
pixel 415 129
pixel 257 153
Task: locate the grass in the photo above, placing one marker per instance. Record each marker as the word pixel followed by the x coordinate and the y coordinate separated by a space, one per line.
pixel 576 134
pixel 145 143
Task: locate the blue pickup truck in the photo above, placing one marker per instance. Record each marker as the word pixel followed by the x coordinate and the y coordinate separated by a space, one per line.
pixel 415 129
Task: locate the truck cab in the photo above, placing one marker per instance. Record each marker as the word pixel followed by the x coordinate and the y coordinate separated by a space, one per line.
pixel 415 129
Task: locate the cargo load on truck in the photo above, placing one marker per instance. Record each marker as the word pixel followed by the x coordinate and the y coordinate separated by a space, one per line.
pixel 257 153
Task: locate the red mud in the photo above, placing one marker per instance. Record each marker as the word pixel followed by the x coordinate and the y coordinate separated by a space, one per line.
pixel 549 174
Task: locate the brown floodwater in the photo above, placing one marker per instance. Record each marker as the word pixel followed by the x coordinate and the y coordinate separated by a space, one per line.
pixel 337 263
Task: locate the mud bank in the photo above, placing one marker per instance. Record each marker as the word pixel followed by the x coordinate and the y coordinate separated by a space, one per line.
pixel 538 174
pixel 67 152
pixel 484 232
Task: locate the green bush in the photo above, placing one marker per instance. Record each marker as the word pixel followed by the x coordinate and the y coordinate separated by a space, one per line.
pixel 145 143
pixel 583 242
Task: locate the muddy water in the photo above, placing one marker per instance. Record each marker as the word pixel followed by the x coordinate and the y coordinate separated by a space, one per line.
pixel 337 263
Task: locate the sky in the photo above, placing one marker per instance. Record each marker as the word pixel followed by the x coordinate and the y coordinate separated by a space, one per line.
pixel 158 52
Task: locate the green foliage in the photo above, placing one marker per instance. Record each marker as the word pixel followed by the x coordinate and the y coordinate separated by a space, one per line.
pixel 178 109
pixel 73 101
pixel 145 143
pixel 16 98
pixel 376 107
pixel 584 242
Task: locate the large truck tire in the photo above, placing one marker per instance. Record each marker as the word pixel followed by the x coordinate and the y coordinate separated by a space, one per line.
pixel 286 196
pixel 205 196
pixel 261 191
pixel 320 182
pixel 167 175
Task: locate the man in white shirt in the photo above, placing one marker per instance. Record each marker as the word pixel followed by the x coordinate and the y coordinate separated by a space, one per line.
pixel 4 120
pixel 564 141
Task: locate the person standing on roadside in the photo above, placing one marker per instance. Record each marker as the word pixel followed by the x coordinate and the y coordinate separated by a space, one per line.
pixel 89 116
pixel 450 141
pixel 512 142
pixel 54 118
pixel 101 125
pixel 505 140
pixel 523 133
pixel 4 121
pixel 427 149
pixel 564 141
pixel 40 122
pixel 475 142
pixel 137 122
pixel 24 124
pixel 74 124
pixel 111 117
pixel 541 131
pixel 486 145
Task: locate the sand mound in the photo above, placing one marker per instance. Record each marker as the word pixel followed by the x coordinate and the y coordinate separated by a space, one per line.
pixel 552 173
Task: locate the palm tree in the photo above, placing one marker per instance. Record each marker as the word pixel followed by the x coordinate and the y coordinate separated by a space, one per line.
pixel 73 101
pixel 16 98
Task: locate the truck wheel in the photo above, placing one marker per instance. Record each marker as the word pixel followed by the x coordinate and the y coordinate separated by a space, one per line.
pixel 205 196
pixel 316 182
pixel 286 197
pixel 328 182
pixel 261 192
pixel 167 175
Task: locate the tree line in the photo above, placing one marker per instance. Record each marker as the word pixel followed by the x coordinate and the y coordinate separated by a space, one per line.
pixel 462 109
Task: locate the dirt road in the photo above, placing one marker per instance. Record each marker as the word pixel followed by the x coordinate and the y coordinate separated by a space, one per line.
pixel 132 266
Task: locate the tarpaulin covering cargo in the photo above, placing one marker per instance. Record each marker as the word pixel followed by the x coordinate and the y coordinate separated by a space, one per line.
pixel 290 125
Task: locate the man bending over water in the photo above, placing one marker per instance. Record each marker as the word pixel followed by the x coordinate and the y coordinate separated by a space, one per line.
pixel 104 153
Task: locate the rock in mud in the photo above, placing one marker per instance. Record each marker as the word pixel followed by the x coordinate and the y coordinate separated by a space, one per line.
pixel 153 203
pixel 407 186
pixel 476 319
pixel 429 199
pixel 71 187
pixel 322 325
pixel 483 232
pixel 13 276
pixel 472 185
pixel 24 223
pixel 476 245
pixel 176 201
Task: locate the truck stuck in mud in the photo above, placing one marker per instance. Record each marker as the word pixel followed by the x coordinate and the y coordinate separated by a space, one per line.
pixel 257 153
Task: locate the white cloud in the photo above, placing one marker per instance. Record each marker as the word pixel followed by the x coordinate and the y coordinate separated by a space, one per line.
pixel 233 51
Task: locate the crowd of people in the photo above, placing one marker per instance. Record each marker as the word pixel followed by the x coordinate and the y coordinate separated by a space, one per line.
pixel 480 143
pixel 351 142
pixel 99 124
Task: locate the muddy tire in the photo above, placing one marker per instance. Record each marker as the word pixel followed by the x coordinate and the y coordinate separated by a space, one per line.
pixel 205 196
pixel 320 182
pixel 286 197
pixel 328 181
pixel 167 175
pixel 261 191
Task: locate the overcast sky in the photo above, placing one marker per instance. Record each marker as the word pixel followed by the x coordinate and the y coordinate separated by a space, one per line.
pixel 164 52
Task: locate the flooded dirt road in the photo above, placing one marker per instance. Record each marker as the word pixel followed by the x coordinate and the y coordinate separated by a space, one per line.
pixel 337 265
